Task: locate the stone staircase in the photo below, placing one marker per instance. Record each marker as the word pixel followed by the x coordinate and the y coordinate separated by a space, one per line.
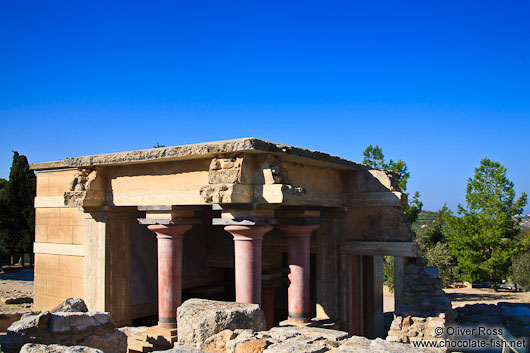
pixel 152 339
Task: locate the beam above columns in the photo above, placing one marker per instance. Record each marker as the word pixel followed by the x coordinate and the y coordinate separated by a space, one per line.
pixel 381 248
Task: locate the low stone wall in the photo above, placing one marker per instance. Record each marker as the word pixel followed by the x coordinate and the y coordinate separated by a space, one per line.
pixel 424 308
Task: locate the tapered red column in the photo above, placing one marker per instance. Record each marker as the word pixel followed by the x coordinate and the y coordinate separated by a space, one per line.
pixel 298 253
pixel 247 253
pixel 169 241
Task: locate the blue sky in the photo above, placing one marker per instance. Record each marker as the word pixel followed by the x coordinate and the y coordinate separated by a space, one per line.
pixel 440 84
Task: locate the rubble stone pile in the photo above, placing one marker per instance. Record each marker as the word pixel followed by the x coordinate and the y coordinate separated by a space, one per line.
pixel 226 327
pixel 69 324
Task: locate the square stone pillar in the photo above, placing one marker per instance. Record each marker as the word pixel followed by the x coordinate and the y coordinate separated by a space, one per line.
pixel 107 261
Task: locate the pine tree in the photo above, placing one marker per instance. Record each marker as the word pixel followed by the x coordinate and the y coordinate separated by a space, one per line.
pixel 374 157
pixel 17 215
pixel 486 236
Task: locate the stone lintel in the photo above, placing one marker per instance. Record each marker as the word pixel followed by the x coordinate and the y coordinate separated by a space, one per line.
pixel 171 221
pixel 263 221
pixel 381 248
pixel 205 150
pixel 256 206
pixel 168 208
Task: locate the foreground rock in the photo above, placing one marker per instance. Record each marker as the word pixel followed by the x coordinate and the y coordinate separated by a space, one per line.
pixel 199 319
pixel 69 324
pixel 55 348
pixel 309 339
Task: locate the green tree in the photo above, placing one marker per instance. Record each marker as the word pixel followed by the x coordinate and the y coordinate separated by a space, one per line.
pixel 373 156
pixel 413 208
pixel 401 168
pixel 486 236
pixel 17 215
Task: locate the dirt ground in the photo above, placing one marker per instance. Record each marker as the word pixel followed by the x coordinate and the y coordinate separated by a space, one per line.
pixel 16 285
pixel 464 296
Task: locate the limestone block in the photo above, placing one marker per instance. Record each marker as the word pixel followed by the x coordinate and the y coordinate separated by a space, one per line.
pixel 71 305
pixel 313 333
pixel 199 319
pixel 180 349
pixel 217 342
pixel 307 346
pixel 255 346
pixel 30 324
pixel 55 348
pixel 74 323
pixel 111 342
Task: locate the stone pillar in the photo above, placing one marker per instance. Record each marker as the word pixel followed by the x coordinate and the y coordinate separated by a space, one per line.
pixel 169 239
pixel 298 253
pixel 247 253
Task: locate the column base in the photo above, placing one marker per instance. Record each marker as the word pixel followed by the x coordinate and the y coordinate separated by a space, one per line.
pixel 297 322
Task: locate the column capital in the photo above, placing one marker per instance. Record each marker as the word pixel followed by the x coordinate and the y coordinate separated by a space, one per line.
pixel 298 230
pixel 248 233
pixel 170 231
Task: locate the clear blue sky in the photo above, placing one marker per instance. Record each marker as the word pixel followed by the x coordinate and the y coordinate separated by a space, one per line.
pixel 440 84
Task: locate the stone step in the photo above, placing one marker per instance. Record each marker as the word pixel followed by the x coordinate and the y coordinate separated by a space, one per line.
pixel 137 346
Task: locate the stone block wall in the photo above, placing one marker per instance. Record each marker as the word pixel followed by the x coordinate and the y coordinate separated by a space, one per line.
pixel 424 306
pixel 59 238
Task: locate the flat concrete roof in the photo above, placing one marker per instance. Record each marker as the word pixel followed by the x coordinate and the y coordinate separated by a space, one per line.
pixel 204 150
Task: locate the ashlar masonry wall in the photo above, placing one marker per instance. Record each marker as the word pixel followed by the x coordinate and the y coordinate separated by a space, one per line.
pixel 59 238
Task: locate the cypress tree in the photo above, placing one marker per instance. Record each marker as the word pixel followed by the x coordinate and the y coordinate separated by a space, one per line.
pixel 17 215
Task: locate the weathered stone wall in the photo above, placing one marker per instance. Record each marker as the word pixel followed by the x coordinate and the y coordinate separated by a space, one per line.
pixel 424 306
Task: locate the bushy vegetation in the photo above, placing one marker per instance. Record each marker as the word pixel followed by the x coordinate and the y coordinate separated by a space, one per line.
pixel 520 271
pixel 431 236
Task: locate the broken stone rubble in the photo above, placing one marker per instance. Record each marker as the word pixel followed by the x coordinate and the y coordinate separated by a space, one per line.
pixel 300 339
pixel 219 327
pixel 55 348
pixel 199 319
pixel 69 324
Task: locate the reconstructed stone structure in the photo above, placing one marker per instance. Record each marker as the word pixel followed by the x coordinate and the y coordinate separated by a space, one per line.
pixel 300 232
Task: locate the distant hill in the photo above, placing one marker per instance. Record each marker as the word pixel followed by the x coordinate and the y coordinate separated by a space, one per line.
pixel 525 221
pixel 427 218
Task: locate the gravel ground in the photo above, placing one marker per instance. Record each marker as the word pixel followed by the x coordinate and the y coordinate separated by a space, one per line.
pixel 464 296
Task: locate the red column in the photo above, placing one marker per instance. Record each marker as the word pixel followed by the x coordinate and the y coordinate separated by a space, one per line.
pixel 247 253
pixel 169 239
pixel 267 302
pixel 298 252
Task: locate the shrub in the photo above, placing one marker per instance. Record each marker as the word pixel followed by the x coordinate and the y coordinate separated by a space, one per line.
pixel 388 272
pixel 439 256
pixel 520 270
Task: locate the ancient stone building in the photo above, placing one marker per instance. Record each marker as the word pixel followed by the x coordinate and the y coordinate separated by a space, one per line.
pixel 300 232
